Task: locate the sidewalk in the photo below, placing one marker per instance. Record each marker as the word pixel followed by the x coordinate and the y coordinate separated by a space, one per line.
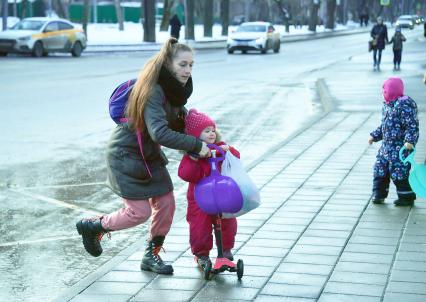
pixel 315 237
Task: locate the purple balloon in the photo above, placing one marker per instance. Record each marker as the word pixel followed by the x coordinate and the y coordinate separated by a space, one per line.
pixel 216 193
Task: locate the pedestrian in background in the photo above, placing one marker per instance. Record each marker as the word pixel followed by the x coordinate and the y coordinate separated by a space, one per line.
pixel 175 26
pixel 192 170
pixel 399 127
pixel 397 40
pixel 379 33
pixel 156 108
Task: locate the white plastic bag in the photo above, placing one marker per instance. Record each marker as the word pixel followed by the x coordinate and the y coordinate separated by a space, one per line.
pixel 232 167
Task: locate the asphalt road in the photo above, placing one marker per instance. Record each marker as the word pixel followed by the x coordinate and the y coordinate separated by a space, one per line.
pixel 56 123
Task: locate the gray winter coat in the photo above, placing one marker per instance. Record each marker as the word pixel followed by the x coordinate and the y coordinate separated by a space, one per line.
pixel 127 174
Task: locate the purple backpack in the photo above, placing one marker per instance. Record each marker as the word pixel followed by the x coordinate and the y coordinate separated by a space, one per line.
pixel 118 101
pixel 117 106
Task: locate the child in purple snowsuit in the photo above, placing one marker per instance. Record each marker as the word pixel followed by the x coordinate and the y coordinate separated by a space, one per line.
pixel 399 127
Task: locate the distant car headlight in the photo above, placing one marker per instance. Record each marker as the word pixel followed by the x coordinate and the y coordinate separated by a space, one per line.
pixel 230 40
pixel 24 38
pixel 411 23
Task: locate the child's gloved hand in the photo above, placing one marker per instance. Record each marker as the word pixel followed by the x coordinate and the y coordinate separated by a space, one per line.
pixel 408 146
pixel 370 140
pixel 205 151
pixel 224 147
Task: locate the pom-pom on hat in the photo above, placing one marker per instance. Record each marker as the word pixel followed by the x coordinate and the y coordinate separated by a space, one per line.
pixel 196 122
pixel 393 88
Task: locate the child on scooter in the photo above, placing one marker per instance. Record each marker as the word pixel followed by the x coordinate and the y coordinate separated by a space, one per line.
pixel 399 127
pixel 192 170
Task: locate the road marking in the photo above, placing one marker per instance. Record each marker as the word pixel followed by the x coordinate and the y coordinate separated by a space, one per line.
pixel 59 203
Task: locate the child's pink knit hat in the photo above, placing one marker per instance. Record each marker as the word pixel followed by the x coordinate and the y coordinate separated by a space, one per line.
pixel 196 122
pixel 393 88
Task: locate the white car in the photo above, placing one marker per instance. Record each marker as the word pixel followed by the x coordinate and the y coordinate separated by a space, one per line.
pixel 40 35
pixel 259 36
pixel 405 21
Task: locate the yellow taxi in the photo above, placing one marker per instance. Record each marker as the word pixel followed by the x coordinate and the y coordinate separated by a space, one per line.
pixel 40 35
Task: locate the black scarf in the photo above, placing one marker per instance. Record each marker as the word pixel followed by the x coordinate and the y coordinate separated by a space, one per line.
pixel 175 93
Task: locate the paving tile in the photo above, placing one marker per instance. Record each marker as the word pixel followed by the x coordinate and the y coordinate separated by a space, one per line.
pixel 292 290
pixel 226 280
pixel 371 248
pixel 354 289
pixel 163 295
pixel 408 276
pixel 399 297
pixel 411 256
pixel 331 226
pixel 172 283
pixel 297 278
pixel 128 265
pixel 100 298
pixel 374 240
pixel 366 257
pixel 414 287
pixel 410 266
pixel 331 297
pixel 358 267
pixel 276 235
pixel 309 240
pixel 280 243
pixel 259 251
pixel 303 268
pixel 113 288
pixel 261 260
pixel 123 276
pixel 267 298
pixel 327 234
pixel 317 249
pixel 351 277
pixel 211 293
pixel 258 271
pixel 313 259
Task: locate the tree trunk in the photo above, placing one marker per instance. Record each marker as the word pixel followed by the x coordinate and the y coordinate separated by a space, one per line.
pixel 189 20
pixel 119 14
pixel 24 9
pixel 86 15
pixel 168 4
pixel 313 16
pixel 4 13
pixel 149 21
pixel 331 9
pixel 208 18
pixel 61 9
pixel 224 15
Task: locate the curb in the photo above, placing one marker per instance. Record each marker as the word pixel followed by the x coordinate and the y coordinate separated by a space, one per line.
pixel 217 44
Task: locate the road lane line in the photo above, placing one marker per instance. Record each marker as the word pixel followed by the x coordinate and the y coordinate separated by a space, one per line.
pixel 58 203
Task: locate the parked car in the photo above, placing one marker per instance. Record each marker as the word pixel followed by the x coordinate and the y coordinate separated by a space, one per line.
pixel 405 21
pixel 260 36
pixel 40 35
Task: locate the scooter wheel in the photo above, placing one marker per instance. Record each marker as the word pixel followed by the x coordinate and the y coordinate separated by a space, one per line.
pixel 207 270
pixel 240 269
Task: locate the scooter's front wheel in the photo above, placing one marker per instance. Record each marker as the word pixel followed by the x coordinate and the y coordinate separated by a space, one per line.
pixel 240 269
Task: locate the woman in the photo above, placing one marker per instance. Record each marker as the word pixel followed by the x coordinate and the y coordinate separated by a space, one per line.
pixel 379 33
pixel 156 110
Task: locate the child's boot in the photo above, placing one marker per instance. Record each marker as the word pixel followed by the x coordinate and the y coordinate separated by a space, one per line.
pixel 228 254
pixel 403 202
pixel 377 200
pixel 152 261
pixel 202 260
pixel 92 231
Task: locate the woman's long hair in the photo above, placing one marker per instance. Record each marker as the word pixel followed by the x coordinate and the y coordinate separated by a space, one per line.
pixel 147 79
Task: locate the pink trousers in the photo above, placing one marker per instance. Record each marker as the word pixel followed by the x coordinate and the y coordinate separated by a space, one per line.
pixel 135 212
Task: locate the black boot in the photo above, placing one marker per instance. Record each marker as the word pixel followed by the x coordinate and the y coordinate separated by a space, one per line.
pixel 92 231
pixel 151 261
pixel 403 202
pixel 203 260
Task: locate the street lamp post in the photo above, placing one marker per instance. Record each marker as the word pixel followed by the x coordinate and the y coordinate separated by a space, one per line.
pixel 4 14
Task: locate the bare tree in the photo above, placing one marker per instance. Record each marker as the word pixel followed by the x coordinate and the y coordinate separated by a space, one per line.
pixel 224 15
pixel 167 9
pixel 149 20
pixel 331 9
pixel 119 14
pixel 86 15
pixel 23 9
pixel 61 8
pixel 313 15
pixel 208 18
pixel 189 20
